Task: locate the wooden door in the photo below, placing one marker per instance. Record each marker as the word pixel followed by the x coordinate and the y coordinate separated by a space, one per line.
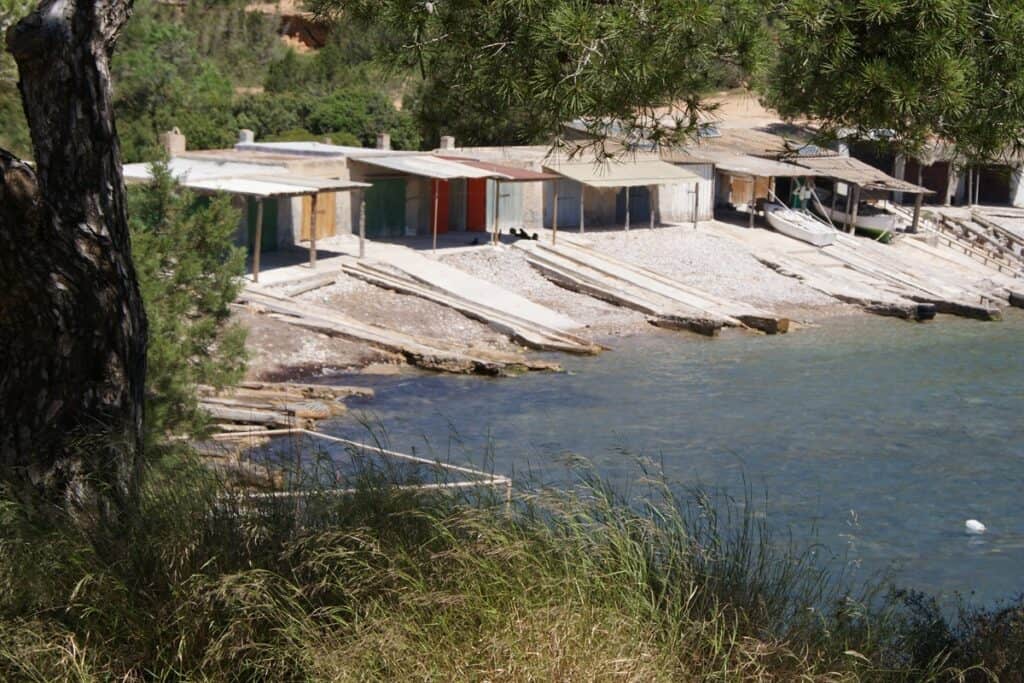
pixel 325 214
pixel 741 190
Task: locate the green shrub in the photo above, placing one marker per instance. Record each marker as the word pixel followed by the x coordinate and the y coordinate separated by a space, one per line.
pixel 189 272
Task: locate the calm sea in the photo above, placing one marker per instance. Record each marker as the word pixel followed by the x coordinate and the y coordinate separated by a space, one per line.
pixel 875 437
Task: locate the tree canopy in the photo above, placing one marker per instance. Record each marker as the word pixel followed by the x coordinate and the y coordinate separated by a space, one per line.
pixel 902 72
pixel 514 71
pixel 992 124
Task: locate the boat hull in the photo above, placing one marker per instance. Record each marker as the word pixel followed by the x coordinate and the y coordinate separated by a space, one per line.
pixel 799 226
pixel 877 226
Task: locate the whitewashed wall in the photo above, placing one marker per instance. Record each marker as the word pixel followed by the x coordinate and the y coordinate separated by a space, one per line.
pixel 675 202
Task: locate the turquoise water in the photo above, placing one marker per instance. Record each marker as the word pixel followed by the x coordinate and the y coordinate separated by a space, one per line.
pixel 882 435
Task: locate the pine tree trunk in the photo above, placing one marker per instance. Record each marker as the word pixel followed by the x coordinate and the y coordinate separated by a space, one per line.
pixel 72 324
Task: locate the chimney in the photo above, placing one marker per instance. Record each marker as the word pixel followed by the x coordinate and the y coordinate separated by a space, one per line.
pixel 383 141
pixel 447 142
pixel 173 142
pixel 246 137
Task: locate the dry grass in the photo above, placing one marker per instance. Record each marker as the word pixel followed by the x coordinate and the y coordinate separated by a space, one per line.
pixel 386 585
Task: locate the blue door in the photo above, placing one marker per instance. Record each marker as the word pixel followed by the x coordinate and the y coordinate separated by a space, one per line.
pixel 639 205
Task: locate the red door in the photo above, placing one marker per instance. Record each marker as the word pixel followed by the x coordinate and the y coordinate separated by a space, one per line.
pixel 476 205
pixel 441 191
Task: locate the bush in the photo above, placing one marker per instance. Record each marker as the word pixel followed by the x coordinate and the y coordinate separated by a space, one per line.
pixel 363 114
pixel 189 272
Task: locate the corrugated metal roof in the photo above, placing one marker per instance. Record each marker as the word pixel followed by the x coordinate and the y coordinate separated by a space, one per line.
pixel 273 186
pixel 856 172
pixel 184 168
pixel 624 173
pixel 510 173
pixel 430 166
pixel 745 164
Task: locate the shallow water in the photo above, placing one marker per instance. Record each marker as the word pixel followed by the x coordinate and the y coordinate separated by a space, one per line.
pixel 883 435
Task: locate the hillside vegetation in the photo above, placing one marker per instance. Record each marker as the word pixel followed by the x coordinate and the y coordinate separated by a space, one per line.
pixel 211 68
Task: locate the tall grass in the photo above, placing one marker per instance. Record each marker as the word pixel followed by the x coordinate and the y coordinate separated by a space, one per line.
pixel 386 584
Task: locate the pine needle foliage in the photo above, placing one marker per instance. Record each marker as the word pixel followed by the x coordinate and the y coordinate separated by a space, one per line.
pixel 862 67
pixel 903 73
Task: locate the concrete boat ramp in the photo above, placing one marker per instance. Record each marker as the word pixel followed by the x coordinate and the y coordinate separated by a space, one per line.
pixel 911 279
pixel 419 351
pixel 403 270
pixel 668 302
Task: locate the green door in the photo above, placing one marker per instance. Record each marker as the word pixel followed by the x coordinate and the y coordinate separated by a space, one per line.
pixel 269 237
pixel 385 208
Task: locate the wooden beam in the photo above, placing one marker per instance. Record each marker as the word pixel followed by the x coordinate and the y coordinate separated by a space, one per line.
pixel 856 208
pixel 583 191
pixel 362 223
pixel 918 200
pixel 650 202
pixel 498 203
pixel 436 197
pixel 496 231
pixel 312 231
pixel 627 207
pixel 259 241
pixel 696 204
pixel 554 216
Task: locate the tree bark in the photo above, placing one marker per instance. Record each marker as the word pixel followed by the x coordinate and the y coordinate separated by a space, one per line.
pixel 72 324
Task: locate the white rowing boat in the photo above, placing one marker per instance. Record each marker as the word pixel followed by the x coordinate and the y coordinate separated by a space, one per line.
pixel 874 221
pixel 799 225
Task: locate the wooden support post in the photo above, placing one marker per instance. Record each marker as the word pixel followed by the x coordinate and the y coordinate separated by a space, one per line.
pixel 627 208
pixel 497 204
pixel 554 216
pixel 650 202
pixel 362 223
pixel 977 187
pixel 950 187
pixel 696 204
pixel 436 197
pixel 918 200
pixel 256 248
pixel 312 232
pixel 856 208
pixel 847 226
pixel 970 186
pixel 835 194
pixel 583 191
pixel 495 231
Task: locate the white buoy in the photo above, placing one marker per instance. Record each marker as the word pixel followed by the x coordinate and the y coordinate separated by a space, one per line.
pixel 973 526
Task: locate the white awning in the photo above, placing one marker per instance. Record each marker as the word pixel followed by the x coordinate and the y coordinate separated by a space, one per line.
pixel 429 166
pixel 622 173
pixel 273 186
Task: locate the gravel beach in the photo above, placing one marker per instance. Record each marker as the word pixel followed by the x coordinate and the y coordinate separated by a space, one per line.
pixel 697 258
